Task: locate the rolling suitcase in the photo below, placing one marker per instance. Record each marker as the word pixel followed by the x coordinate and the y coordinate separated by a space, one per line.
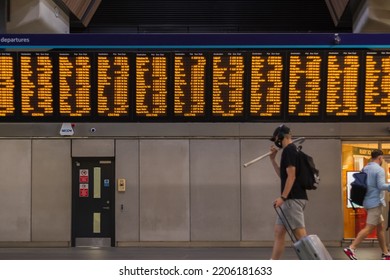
pixel 307 248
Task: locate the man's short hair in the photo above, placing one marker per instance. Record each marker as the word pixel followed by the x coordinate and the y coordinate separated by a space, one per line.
pixel 376 153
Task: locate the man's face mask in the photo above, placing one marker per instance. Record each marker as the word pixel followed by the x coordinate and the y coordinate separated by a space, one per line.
pixel 279 134
pixel 278 143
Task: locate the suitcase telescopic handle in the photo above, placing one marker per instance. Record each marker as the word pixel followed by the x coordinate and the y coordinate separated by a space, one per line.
pixel 286 224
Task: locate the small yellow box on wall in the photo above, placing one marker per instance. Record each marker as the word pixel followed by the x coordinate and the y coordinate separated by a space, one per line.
pixel 121 185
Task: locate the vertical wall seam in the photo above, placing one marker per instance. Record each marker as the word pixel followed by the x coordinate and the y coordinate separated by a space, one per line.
pixel 31 190
pixel 71 190
pixel 115 196
pixel 189 190
pixel 139 190
pixel 240 176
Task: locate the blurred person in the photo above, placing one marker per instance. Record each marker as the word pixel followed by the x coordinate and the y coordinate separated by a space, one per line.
pixel 374 203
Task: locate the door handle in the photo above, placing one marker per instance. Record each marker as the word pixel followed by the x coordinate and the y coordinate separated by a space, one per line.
pixel 106 207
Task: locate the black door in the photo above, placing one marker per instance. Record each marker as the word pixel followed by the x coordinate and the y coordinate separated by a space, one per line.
pixel 93 202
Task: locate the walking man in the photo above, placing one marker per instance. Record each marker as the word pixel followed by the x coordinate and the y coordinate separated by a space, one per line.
pixel 293 196
pixel 374 202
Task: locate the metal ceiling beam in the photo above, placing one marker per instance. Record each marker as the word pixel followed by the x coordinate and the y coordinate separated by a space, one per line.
pixel 337 9
pixel 82 9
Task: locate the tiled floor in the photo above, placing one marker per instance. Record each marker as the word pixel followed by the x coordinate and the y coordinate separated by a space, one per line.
pixel 121 253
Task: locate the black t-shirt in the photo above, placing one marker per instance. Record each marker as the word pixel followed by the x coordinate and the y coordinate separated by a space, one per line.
pixel 290 158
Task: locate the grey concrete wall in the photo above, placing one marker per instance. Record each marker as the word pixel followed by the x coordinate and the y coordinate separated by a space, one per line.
pixel 324 214
pixel 336 130
pixel 164 190
pixel 215 190
pixel 260 186
pixel 127 203
pixel 93 148
pixel 191 189
pixel 51 190
pixel 15 190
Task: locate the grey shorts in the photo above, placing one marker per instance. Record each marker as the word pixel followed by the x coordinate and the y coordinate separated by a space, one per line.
pixel 374 216
pixel 293 210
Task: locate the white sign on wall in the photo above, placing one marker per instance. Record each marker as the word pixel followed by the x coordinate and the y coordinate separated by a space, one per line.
pixel 66 129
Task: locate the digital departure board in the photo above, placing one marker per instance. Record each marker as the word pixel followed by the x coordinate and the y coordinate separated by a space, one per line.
pixel 113 84
pixel 342 83
pixel 200 86
pixel 190 84
pixel 7 84
pixel 266 84
pixel 75 83
pixel 151 84
pixel 377 84
pixel 36 78
pixel 228 84
pixel 304 84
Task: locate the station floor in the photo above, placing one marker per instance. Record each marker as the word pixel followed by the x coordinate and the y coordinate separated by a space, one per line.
pixel 147 253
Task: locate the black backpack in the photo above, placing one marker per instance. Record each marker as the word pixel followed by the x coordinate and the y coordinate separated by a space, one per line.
pixel 308 174
pixel 358 188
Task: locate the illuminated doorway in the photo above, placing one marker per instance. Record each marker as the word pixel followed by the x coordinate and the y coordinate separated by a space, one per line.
pixel 355 155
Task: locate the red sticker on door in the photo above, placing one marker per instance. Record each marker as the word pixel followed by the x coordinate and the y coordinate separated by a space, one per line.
pixel 83 190
pixel 83 176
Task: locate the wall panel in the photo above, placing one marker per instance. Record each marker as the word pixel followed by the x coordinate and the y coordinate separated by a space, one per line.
pixel 324 211
pixel 15 189
pixel 164 190
pixel 215 190
pixel 127 167
pixel 260 187
pixel 93 148
pixel 51 190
